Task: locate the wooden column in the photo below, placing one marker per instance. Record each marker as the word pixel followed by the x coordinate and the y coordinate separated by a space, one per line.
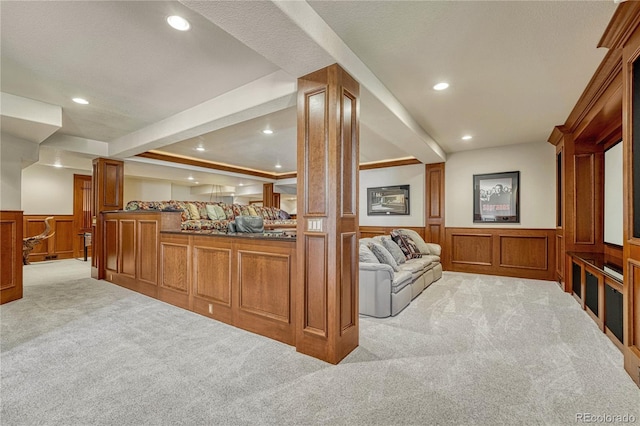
pixel 628 18
pixel 10 256
pixel 107 189
pixel 267 194
pixel 327 244
pixel 434 215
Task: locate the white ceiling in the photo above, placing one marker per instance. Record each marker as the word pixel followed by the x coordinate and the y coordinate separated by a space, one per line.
pixel 515 68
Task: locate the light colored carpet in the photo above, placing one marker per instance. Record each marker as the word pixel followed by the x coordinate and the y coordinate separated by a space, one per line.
pixel 470 350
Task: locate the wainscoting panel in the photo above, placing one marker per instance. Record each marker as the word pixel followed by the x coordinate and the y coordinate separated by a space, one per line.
pixel 265 288
pixel 60 245
pixel 471 249
pixel 127 255
pixel 11 224
pixel 315 288
pixel 374 231
pixel 212 274
pixel 525 253
pixel 349 272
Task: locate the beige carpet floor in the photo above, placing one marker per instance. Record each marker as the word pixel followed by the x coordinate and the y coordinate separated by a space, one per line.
pixel 469 350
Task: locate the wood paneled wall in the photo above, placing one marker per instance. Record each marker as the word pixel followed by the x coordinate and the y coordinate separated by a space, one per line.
pixel 107 186
pixel 374 231
pixel 525 253
pixel 60 245
pixel 10 255
pixel 434 214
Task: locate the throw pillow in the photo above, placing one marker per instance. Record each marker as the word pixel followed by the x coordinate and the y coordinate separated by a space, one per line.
pixel 383 255
pixel 417 239
pixel 220 214
pixel 211 213
pixel 193 211
pixel 252 211
pixel 393 248
pixel 366 255
pixel 407 246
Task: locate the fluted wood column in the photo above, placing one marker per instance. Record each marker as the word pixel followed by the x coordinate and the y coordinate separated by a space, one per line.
pixel 327 244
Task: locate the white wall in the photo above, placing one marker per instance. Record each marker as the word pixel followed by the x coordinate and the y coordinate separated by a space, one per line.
pixel 289 203
pixel 145 190
pixel 413 175
pixel 536 163
pixel 15 153
pixel 48 190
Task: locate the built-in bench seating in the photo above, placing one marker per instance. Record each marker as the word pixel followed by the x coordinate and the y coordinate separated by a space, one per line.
pixel 200 215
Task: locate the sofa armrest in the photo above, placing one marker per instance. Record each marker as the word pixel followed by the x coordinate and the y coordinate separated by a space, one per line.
pixel 434 248
pixel 376 267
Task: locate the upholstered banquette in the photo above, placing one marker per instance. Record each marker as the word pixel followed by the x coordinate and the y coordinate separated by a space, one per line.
pixel 200 215
pixel 394 269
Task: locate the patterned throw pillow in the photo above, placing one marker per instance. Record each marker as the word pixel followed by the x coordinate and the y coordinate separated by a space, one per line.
pixel 407 245
pixel 252 211
pixel 220 214
pixel 393 248
pixel 417 239
pixel 383 255
pixel 193 211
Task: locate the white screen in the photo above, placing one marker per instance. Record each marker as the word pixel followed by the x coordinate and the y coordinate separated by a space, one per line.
pixel 613 195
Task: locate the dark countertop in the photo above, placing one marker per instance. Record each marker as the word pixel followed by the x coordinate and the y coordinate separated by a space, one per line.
pixel 606 264
pixel 266 235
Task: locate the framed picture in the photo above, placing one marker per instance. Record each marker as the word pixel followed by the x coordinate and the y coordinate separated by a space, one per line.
pixel 388 200
pixel 496 197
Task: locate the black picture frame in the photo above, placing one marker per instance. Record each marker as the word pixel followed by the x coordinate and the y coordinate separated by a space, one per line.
pixel 496 197
pixel 388 201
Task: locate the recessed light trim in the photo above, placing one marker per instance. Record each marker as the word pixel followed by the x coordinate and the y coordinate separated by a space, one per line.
pixel 267 131
pixel 441 86
pixel 278 166
pixel 58 165
pixel 467 137
pixel 81 101
pixel 241 184
pixel 200 148
pixel 190 178
pixel 178 23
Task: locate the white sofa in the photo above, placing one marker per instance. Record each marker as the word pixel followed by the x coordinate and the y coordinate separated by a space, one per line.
pixel 386 289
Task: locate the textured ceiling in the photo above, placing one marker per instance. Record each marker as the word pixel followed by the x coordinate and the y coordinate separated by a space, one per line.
pixel 515 68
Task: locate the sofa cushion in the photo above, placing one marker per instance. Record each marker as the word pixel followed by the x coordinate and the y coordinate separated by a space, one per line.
pixel 383 255
pixel 366 255
pixel 400 280
pixel 393 248
pixel 432 258
pixel 407 245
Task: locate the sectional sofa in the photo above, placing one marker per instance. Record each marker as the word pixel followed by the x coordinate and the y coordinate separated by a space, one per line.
pixel 200 215
pixel 391 276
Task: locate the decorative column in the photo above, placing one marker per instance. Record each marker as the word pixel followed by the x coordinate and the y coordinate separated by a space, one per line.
pixel 267 195
pixel 327 244
pixel 107 186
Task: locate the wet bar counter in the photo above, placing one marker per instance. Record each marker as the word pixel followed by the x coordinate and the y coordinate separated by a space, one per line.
pixel 245 280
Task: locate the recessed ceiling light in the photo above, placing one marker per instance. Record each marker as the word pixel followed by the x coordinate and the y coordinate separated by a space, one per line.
pixel 267 131
pixel 178 22
pixel 242 184
pixel 58 165
pixel 80 101
pixel 196 183
pixel 467 137
pixel 199 148
pixel 441 86
pixel 233 195
pixel 190 178
pixel 278 166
